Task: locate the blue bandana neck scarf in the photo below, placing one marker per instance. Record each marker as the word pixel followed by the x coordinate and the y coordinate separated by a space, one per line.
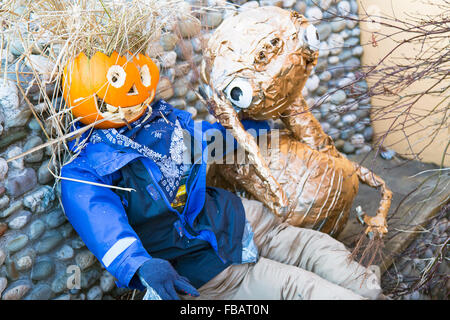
pixel 159 137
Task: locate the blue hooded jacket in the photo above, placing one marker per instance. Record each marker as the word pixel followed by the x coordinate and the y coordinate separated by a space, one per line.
pixel 97 212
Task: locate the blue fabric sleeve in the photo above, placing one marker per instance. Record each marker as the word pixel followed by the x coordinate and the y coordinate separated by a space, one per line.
pixel 97 214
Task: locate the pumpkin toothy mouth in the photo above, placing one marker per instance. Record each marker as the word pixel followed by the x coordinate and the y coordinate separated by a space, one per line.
pixel 119 114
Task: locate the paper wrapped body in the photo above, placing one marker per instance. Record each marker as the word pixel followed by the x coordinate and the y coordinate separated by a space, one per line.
pixel 255 66
pixel 320 187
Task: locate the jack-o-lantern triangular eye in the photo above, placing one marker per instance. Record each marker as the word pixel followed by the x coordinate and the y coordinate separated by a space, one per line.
pixel 146 77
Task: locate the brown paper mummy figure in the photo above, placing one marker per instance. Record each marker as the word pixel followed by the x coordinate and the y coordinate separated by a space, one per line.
pixel 255 66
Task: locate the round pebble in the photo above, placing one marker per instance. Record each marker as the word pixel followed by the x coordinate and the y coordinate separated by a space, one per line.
pixel 212 19
pixel 324 51
pixel 338 97
pixel 325 126
pixel 335 43
pixel 66 230
pixel 339 143
pixel 180 88
pixel 95 293
pixel 17 243
pixel 24 263
pixel 364 149
pixel 189 27
pixel 314 14
pixel 325 4
pixel 357 140
pixel 85 259
pixel 312 83
pixel 44 174
pixel 348 147
pixel 387 154
pixel 349 118
pixel 210 118
pixel 359 127
pixel 107 282
pixel 16 293
pixel 368 133
pixel 333 59
pixel 356 32
pixel 321 65
pixel 41 270
pixel 3 228
pixel 165 89
pixel 168 41
pixel 184 50
pixel 48 243
pixel 41 292
pixel 19 222
pixel 3 284
pixel 168 59
pixel 357 51
pixel 346 133
pixel 178 103
pixel 2 257
pixel 324 31
pixel 345 34
pixel 37 228
pixel 77 243
pixel 338 26
pixel 3 168
pixel 30 144
pixel 325 76
pixel 88 278
pixel 344 82
pixel 334 133
pixel 65 253
pixel 344 8
pixel 333 118
pixel 11 270
pixel 193 111
pixel 300 7
pixel 59 284
pixel 55 219
pixel 39 200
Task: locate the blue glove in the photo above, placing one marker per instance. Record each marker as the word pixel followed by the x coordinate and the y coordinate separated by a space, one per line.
pixel 159 275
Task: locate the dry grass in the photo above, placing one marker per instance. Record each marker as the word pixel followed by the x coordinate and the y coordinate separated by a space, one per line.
pixel 59 30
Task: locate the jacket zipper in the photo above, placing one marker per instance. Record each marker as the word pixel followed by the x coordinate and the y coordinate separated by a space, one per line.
pixel 166 201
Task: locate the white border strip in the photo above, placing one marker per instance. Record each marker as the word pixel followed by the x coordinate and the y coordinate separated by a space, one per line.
pixel 118 247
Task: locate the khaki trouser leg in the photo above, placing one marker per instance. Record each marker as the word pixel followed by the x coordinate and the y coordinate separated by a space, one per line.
pixel 309 250
pixel 295 263
pixel 272 280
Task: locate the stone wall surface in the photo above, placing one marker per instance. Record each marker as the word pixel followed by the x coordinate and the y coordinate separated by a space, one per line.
pixel 41 255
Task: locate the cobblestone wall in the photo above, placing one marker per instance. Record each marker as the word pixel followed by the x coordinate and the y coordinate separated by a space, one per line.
pixel 41 256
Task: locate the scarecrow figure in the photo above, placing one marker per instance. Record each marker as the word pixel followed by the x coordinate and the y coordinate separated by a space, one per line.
pixel 255 67
pixel 136 194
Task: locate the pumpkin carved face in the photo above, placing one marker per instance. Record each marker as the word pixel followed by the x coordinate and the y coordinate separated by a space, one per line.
pixel 117 88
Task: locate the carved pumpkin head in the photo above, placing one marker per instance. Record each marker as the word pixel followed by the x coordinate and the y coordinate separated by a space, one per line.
pixel 116 88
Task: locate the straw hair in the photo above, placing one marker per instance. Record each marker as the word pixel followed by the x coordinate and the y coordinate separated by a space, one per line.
pixel 61 29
